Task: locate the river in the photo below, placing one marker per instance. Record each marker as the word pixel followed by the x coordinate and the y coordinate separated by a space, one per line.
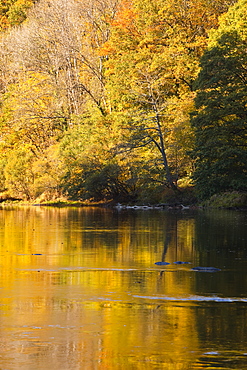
pixel 80 288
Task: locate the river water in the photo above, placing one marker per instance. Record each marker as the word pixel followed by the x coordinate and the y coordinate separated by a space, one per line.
pixel 80 289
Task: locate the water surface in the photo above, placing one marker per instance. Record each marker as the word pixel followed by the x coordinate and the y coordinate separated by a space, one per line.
pixel 79 289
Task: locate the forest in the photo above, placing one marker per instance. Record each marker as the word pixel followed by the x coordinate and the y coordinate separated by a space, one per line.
pixel 123 100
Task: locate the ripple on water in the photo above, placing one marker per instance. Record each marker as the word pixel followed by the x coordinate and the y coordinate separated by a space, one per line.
pixel 195 298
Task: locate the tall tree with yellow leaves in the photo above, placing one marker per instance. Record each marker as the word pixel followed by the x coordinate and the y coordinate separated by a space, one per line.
pixel 153 59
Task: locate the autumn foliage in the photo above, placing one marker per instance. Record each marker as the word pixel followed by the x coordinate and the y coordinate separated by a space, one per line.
pixel 97 96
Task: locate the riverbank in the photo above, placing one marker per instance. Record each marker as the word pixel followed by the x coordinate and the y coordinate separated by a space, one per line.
pixel 229 200
pixel 186 199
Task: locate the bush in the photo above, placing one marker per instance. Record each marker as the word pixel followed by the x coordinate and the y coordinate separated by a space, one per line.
pixel 232 199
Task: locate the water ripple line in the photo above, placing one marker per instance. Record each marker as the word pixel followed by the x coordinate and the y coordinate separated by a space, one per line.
pixel 195 298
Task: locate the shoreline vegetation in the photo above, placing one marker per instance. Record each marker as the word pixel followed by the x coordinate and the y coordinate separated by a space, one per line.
pixel 227 200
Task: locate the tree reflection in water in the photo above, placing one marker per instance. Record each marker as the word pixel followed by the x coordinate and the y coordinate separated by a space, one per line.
pixel 80 289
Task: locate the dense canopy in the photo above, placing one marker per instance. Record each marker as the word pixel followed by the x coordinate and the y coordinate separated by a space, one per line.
pixel 220 121
pixel 97 98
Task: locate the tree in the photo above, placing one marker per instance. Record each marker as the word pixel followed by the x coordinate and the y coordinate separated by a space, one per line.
pixel 50 74
pixel 13 12
pixel 18 172
pixel 90 171
pixel 152 60
pixel 59 40
pixel 220 119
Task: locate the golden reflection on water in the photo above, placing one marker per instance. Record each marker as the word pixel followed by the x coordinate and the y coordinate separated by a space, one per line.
pixel 79 290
